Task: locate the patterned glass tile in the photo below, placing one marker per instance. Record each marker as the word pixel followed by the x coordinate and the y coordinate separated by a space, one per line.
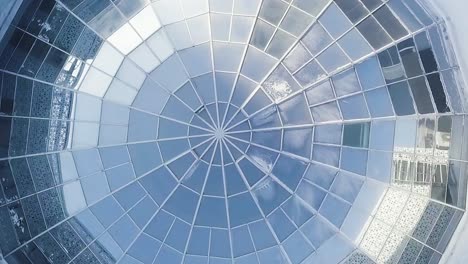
pixel 55 49
pixel 54 23
pixel 23 97
pixel 37 140
pixel 8 182
pixel 42 98
pixel 375 237
pixel 5 126
pixel 41 172
pixel 19 222
pixel 427 255
pixel 28 253
pixel 428 219
pixel 33 214
pixel 69 34
pixel 51 206
pixel 440 228
pixel 35 59
pixel 393 248
pixel 411 252
pixel 22 175
pixel 20 53
pixel 86 257
pixel 87 45
pixel 8 235
pixel 19 136
pixel 39 15
pixel 52 65
pixel 51 249
pixel 411 214
pixel 359 258
pixel 391 206
pixel 66 236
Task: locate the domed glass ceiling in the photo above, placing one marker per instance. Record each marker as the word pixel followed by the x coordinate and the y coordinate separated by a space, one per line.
pixel 229 131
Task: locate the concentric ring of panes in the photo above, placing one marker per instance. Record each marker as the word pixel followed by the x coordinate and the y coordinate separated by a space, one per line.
pixel 230 131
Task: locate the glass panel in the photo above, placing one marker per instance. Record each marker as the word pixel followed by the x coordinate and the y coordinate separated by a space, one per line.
pixel 316 39
pixel 438 93
pixel 297 58
pixel 354 107
pixel 334 20
pixel 346 83
pixel 262 34
pixel 354 44
pixel 373 32
pixel 401 98
pixel 391 24
pixel 312 7
pixel 320 93
pixel 421 95
pixel 280 44
pixel 353 9
pixel 296 21
pixel 220 24
pixel 391 65
pixel 409 57
pixel 273 11
pixel 326 112
pixel 379 102
pixel 370 74
pixel 356 135
pixel 333 58
pixel 310 74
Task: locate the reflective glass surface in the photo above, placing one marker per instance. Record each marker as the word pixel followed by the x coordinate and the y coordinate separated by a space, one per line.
pixel 229 131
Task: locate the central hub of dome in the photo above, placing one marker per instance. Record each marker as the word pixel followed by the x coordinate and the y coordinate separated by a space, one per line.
pixel 219 129
pixel 219 133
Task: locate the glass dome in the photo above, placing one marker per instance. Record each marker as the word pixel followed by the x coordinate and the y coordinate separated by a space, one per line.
pixel 229 131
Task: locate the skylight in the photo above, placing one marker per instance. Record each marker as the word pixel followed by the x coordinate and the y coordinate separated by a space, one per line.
pixel 229 131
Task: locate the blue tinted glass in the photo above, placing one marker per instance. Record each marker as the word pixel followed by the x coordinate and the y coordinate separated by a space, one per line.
pixel 289 171
pixel 354 107
pixel 140 249
pixel 183 203
pixel 178 235
pixel 311 194
pixel 297 248
pixel 261 235
pixel 379 103
pixel 269 195
pixel 401 98
pixel 242 209
pixel 369 73
pixel 199 241
pixel 145 157
pixel 347 186
pixel 222 132
pixel 124 232
pixel 271 255
pixel 354 160
pixel 212 212
pixel 130 195
pixel 159 184
pixel 334 210
pixel 242 242
pixel 296 211
pixel 281 224
pixel 220 243
pixel 317 231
